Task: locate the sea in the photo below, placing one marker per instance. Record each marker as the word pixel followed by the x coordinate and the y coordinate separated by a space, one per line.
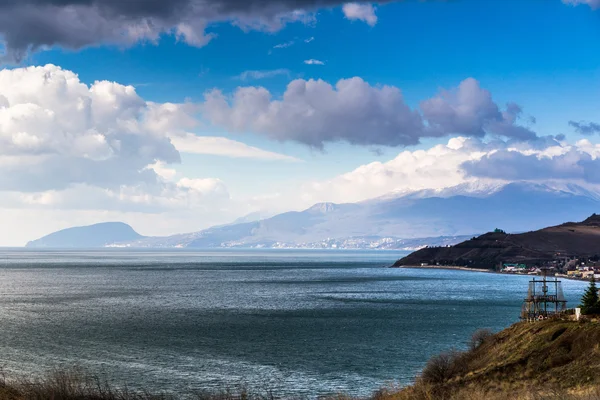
pixel 292 323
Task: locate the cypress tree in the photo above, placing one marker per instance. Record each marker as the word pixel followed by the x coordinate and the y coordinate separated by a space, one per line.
pixel 589 301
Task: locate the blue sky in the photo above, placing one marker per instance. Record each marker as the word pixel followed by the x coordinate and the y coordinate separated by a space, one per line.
pixel 543 55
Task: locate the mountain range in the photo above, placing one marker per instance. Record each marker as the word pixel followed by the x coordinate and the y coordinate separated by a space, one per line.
pixel 404 220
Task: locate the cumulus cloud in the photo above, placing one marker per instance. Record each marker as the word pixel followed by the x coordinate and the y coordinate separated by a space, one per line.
pixel 313 112
pixel 595 4
pixel 100 150
pixel 56 131
pixel 360 12
pixel 34 24
pixel 470 110
pixel 584 128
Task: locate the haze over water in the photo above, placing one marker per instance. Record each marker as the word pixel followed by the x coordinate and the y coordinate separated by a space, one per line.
pixel 300 323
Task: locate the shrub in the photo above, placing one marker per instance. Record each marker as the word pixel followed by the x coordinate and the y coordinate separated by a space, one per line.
pixel 442 367
pixel 479 337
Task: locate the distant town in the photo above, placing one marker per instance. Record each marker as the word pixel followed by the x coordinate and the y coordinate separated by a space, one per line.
pixel 568 267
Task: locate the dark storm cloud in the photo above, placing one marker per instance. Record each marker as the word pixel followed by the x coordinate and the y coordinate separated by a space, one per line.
pixel 30 24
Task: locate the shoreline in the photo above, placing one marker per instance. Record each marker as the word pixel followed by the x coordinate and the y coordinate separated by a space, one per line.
pixel 452 267
pixel 489 271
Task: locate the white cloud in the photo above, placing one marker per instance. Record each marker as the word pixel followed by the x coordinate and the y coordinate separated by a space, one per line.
pixel 161 169
pixel 595 4
pixel 193 144
pixel 101 150
pixel 314 112
pixel 470 110
pixel 312 61
pixel 194 34
pixel 462 161
pixel 360 12
pixel 70 133
pixel 284 45
pixel 434 168
pixel 263 74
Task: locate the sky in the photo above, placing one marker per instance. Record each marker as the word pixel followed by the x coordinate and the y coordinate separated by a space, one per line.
pixel 174 116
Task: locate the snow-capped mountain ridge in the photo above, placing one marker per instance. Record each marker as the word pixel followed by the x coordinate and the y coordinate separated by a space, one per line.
pixel 482 189
pixel 466 209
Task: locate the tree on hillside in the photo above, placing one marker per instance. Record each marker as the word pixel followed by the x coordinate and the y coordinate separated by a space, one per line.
pixel 589 301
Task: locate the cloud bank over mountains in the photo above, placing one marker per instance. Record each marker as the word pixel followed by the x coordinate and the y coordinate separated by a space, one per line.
pixel 83 153
pixel 465 161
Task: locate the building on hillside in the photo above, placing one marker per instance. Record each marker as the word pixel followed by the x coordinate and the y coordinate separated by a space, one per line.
pixel 587 274
pixel 574 274
pixel 508 267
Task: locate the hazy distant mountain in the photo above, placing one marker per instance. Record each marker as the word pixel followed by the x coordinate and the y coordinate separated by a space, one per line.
pixel 389 221
pixel 386 222
pixel 99 235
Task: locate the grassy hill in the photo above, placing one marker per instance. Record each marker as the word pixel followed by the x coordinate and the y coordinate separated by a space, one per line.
pixel 542 360
pixel 488 250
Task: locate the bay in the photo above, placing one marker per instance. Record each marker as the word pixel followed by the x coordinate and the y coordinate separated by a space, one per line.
pixel 297 323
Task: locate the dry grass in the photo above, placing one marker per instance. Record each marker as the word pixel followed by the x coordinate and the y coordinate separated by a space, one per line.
pixel 75 384
pixel 422 391
pixel 558 360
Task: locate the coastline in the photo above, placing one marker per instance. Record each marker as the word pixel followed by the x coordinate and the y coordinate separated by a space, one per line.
pixel 458 268
pixel 454 267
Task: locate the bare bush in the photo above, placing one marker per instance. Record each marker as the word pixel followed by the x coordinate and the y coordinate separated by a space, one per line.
pixel 479 337
pixel 74 384
pixel 442 367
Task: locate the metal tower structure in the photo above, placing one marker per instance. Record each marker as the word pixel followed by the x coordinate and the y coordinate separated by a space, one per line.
pixel 544 299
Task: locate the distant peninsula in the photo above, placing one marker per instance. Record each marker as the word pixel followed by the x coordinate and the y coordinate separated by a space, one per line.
pixel 489 251
pixel 99 235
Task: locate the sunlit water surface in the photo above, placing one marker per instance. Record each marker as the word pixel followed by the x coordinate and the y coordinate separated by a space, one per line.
pixel 298 323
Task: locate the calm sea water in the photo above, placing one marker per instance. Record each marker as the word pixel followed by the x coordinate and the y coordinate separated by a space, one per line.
pixel 297 323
